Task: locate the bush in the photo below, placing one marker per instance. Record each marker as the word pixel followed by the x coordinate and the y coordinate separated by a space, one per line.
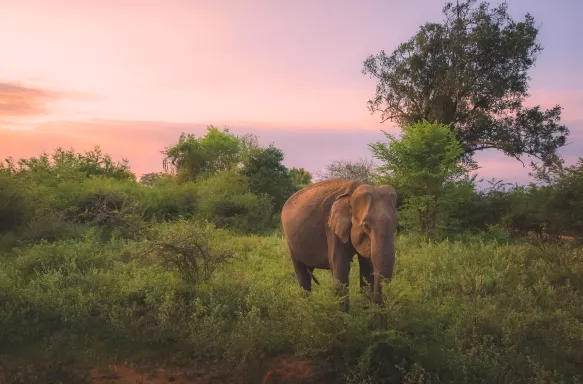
pixel 226 201
pixel 170 202
pixel 188 247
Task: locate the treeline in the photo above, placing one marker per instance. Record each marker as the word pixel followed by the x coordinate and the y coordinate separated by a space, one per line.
pixel 235 183
pixel 221 178
pixel 439 195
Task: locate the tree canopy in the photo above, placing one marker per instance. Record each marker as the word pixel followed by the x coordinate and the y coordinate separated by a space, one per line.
pixel 361 169
pixel 300 177
pixel 267 175
pixel 194 157
pixel 424 165
pixel 422 161
pixel 470 71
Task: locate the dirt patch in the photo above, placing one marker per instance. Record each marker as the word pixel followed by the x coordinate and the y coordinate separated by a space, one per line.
pixel 284 369
pixel 131 375
pixel 289 370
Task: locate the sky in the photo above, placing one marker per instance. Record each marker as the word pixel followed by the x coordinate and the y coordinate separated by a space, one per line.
pixel 132 75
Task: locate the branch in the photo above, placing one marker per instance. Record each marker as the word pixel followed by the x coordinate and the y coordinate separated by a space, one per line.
pixel 493 145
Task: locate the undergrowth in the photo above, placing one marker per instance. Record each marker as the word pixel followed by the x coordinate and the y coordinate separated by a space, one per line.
pixel 458 311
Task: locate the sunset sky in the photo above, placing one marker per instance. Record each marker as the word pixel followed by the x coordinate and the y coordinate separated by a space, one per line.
pixel 131 75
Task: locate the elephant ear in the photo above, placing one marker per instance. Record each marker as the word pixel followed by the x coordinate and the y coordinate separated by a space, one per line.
pixel 340 219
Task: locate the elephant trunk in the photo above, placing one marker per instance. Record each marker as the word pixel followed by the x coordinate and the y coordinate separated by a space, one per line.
pixel 383 258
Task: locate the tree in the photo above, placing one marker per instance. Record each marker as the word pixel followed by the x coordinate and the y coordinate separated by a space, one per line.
pixel 361 170
pixel 300 177
pixel 563 206
pixel 249 141
pixel 469 72
pixel 194 157
pixel 267 175
pixel 422 165
pixel 153 178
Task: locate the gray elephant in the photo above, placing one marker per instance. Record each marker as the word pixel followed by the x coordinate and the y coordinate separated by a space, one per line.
pixel 327 223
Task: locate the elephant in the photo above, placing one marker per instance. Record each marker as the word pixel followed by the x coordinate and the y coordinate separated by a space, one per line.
pixel 326 223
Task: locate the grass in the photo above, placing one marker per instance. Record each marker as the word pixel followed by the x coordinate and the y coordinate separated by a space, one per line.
pixel 471 311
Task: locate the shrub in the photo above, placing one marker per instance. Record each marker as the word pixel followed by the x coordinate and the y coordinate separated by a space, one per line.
pixel 189 248
pixel 226 201
pixel 170 201
pixel 14 209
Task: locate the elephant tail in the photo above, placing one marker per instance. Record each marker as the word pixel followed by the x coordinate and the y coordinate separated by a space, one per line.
pixel 311 272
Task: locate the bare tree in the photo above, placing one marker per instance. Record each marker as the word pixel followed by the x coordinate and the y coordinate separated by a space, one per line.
pixel 361 170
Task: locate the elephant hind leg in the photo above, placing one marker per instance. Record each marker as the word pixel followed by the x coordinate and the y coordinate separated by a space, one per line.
pixel 303 274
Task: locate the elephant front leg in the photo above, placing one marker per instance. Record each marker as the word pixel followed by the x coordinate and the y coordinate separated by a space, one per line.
pixel 339 257
pixel 340 266
pixel 341 273
pixel 366 274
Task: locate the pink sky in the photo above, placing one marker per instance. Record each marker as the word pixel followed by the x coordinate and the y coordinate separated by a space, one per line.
pixel 131 75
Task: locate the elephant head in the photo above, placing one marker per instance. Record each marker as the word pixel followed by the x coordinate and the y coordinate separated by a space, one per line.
pixel 367 218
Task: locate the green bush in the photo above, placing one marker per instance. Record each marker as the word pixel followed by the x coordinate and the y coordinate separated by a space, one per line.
pixel 226 201
pixel 169 201
pixel 14 209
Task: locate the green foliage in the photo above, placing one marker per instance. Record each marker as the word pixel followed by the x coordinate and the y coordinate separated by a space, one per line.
pixel 564 206
pixel 225 200
pixel 98 268
pixel 67 165
pixel 424 165
pixel 257 173
pixel 194 157
pixel 13 210
pixel 267 175
pixel 300 177
pixel 553 209
pixel 508 313
pixel 471 72
pixel 152 178
pixel 422 161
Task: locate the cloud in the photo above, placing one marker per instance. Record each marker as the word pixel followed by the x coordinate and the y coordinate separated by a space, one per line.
pixel 18 100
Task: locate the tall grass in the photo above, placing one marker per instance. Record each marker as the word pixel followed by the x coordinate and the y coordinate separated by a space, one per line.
pixel 472 311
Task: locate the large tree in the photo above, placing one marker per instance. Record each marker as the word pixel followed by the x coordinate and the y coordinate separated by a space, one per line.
pixel 300 177
pixel 267 175
pixel 194 157
pixel 470 71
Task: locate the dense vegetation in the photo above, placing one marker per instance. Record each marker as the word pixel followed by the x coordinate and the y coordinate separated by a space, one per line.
pixel 96 267
pixel 187 267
